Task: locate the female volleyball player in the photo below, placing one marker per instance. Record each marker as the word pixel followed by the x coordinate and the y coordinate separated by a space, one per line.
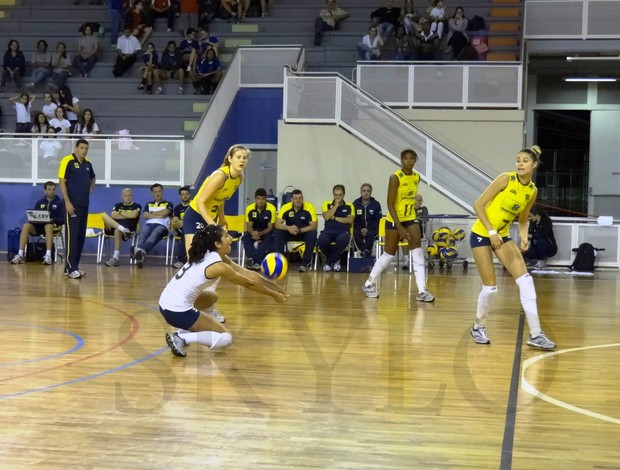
pixel 401 225
pixel 511 195
pixel 192 289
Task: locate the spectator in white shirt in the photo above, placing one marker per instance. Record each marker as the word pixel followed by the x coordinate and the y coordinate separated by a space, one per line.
pixel 22 104
pixel 127 47
pixel 49 108
pixel 60 121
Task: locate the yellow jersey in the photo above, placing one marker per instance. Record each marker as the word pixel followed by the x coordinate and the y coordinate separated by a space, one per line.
pixel 506 206
pixel 221 195
pixel 405 196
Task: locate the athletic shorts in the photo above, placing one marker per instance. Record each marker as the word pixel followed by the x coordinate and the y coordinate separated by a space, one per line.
pixel 476 240
pixel 408 223
pixel 192 222
pixel 184 320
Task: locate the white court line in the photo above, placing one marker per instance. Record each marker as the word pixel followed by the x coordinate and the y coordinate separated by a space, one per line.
pixel 538 394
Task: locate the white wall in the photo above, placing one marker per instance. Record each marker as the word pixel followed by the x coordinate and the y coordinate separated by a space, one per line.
pixel 313 158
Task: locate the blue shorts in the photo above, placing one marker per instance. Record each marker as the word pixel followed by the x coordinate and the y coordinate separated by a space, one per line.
pixel 476 240
pixel 183 320
pixel 192 222
pixel 408 223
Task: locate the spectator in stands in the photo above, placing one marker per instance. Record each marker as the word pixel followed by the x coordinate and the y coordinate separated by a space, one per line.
pixel 137 21
pixel 87 125
pixel 336 235
pixel 71 104
pixel 60 67
pixel 260 218
pixel 542 241
pixel 116 17
pixel 297 221
pixel 208 9
pixel 150 70
pixel 176 224
pixel 438 18
pixel 23 105
pixel 260 6
pixel 41 65
pixel 122 223
pixel 409 18
pixel 60 122
pixel 13 65
pixel 366 223
pixel 457 33
pixel 328 20
pixel 402 45
pixel 49 108
pixel 40 124
pixel 171 66
pixel 56 207
pixel 188 17
pixel 205 41
pixel 187 46
pixel 49 147
pixel 161 9
pixel 425 42
pixel 233 9
pixel 127 48
pixel 157 215
pixel 386 19
pixel 209 74
pixel 368 49
pixel 87 49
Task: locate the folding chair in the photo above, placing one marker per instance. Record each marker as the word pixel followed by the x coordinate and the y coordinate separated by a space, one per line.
pixel 236 223
pixel 379 246
pixel 95 229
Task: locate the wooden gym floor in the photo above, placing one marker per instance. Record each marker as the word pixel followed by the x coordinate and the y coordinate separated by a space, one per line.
pixel 330 380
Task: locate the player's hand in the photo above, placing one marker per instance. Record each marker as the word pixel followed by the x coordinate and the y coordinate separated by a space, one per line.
pixel 523 245
pixel 496 241
pixel 403 233
pixel 280 297
pixel 70 209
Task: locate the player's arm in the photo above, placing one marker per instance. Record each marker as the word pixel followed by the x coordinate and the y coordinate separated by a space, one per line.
pixel 215 182
pixel 393 185
pixel 329 210
pixel 244 278
pixel 524 223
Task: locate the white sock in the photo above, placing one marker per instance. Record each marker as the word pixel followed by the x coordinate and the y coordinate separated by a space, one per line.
pixel 213 339
pixel 378 268
pixel 20 252
pixel 48 253
pixel 123 229
pixel 117 254
pixel 527 292
pixel 485 299
pixel 417 259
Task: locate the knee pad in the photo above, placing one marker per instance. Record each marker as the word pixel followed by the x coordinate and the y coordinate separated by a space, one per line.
pixel 223 340
pixel 527 290
pixel 487 294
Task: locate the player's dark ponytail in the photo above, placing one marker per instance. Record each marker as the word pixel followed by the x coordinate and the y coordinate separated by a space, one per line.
pixel 204 241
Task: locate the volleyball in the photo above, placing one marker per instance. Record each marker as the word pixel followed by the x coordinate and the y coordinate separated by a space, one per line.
pixel 274 266
pixel 432 251
pixel 442 234
pixel 458 234
pixel 448 253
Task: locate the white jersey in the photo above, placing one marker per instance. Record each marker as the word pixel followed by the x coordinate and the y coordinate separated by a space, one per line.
pixel 184 288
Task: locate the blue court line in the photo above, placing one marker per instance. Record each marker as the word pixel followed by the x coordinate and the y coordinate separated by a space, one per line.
pixel 78 339
pixel 511 408
pixel 87 377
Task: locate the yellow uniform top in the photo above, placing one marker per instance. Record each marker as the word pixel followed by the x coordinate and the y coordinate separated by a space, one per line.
pixel 219 197
pixel 405 196
pixel 506 206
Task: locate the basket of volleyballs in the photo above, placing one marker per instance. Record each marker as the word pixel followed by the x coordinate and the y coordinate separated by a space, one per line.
pixel 458 234
pixel 448 253
pixel 432 251
pixel 274 266
pixel 442 234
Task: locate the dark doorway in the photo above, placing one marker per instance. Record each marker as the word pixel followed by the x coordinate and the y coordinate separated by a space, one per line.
pixel 562 179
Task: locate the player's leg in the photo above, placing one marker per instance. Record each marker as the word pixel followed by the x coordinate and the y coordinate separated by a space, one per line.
pixel 512 259
pixel 391 245
pixel 483 257
pixel 206 303
pixel 417 260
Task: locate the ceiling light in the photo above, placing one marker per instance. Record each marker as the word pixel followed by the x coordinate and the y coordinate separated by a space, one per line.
pixel 590 79
pixel 597 58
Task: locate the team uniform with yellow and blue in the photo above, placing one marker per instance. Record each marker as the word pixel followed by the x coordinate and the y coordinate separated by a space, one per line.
pixel 503 210
pixel 260 221
pixel 301 218
pixel 405 200
pixel 335 232
pixel 193 221
pixel 129 224
pixel 56 208
pixel 78 177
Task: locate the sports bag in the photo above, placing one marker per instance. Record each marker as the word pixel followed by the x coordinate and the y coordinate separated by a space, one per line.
pixel 584 260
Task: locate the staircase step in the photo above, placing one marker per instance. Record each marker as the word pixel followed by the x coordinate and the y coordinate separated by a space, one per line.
pixel 504 27
pixel 7 3
pixel 200 107
pixel 245 28
pixel 503 42
pixel 501 56
pixel 506 12
pixel 236 42
pixel 190 125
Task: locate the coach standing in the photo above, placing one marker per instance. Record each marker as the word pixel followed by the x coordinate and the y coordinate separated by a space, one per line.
pixel 77 181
